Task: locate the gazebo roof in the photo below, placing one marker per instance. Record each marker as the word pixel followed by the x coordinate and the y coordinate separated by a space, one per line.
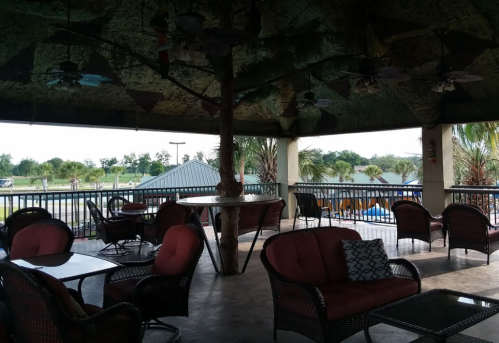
pixel 323 39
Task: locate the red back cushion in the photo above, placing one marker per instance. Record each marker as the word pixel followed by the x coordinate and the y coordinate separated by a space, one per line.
pixel 25 219
pixel 37 240
pixel 180 245
pixel 297 257
pixel 134 206
pixel 333 255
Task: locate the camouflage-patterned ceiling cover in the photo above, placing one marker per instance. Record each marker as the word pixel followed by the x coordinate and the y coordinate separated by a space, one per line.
pixel 106 39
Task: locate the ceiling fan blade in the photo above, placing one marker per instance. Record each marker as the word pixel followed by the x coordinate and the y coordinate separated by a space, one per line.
pixel 323 102
pixel 189 24
pixel 88 82
pixel 468 78
pixel 96 78
pixel 53 82
pixel 350 73
pixel 166 46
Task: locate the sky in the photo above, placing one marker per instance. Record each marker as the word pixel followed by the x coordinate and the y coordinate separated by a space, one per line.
pixel 42 142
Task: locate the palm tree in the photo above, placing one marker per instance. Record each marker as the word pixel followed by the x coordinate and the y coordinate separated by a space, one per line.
pixel 266 159
pixel 244 150
pixel 404 168
pixel 343 170
pixel 308 170
pixel 73 171
pixel 94 175
pixel 45 173
pixel 373 172
pixel 117 170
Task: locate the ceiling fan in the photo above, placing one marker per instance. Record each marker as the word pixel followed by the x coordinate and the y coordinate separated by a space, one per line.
pixel 69 77
pixel 193 41
pixel 370 75
pixel 309 100
pixel 448 77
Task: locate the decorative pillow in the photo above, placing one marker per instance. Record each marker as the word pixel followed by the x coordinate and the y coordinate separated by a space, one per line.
pixel 367 260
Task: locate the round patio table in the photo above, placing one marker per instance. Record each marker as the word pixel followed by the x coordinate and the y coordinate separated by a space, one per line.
pixel 216 201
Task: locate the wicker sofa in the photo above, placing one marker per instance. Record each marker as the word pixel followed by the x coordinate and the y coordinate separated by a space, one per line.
pixel 311 290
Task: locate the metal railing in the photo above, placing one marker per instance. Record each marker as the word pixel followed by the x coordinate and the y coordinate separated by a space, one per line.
pixel 485 197
pixel 71 208
pixel 361 202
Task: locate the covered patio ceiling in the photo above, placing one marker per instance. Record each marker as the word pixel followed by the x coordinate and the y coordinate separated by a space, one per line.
pixel 316 38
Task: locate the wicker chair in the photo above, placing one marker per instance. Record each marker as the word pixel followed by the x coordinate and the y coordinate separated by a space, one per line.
pixel 160 286
pixel 18 220
pixel 415 222
pixel 311 291
pixel 168 215
pixel 115 204
pixel 43 237
pixel 43 310
pixel 469 228
pixel 113 231
pixel 307 207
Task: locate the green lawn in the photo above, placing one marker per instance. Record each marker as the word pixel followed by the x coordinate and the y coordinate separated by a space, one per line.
pixel 25 181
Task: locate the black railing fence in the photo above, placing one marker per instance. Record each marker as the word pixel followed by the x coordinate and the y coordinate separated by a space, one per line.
pixel 70 207
pixel 361 202
pixel 485 197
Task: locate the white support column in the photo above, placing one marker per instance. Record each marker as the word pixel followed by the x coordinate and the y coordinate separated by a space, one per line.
pixel 287 172
pixel 439 174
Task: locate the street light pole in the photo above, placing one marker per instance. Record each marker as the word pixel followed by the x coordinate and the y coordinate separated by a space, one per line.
pixel 177 143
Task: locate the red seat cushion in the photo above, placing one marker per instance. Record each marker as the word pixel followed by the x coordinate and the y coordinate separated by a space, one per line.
pixel 344 299
pixel 134 206
pixel 435 226
pixel 37 240
pixel 298 257
pixel 180 245
pixel 493 235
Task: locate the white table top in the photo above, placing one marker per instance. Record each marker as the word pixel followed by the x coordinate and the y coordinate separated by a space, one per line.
pixel 229 202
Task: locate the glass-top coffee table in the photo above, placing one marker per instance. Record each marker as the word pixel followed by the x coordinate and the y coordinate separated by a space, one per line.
pixel 439 315
pixel 69 266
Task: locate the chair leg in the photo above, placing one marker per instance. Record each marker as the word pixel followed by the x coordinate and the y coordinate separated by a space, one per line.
pixel 488 258
pixel 116 250
pixel 430 246
pixel 448 254
pixel 158 324
pixel 319 222
pixel 294 221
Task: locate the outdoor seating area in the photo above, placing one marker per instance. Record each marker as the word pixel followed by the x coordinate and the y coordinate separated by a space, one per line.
pixel 209 307
pixel 219 311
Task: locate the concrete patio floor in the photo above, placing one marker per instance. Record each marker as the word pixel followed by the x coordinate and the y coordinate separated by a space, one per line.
pixel 239 308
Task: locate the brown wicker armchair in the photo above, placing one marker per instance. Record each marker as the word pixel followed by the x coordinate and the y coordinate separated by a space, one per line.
pixel 115 204
pixel 43 310
pixel 469 228
pixel 160 286
pixel 18 220
pixel 415 222
pixel 311 291
pixel 113 231
pixel 168 215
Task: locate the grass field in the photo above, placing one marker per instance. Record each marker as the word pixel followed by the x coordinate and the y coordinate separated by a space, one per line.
pixel 20 181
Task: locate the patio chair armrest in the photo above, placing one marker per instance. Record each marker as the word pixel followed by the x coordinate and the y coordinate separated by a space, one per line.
pixel 123 314
pixel 119 222
pixel 305 296
pixel 406 269
pixel 158 283
pixel 132 270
